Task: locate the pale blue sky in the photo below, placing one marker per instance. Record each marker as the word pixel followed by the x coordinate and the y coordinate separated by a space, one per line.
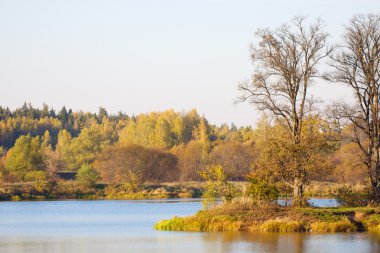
pixel 142 56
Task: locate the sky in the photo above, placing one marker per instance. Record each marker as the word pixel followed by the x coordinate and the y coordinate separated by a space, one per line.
pixel 148 55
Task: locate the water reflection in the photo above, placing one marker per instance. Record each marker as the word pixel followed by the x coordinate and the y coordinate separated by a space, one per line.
pixel 126 226
pixel 294 242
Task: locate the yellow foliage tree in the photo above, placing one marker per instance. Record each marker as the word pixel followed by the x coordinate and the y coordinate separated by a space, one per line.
pixel 297 164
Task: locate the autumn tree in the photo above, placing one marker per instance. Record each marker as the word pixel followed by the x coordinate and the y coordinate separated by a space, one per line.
pixel 306 161
pixel 160 130
pixel 161 166
pixel 13 127
pixel 191 121
pixel 2 167
pixel 201 134
pixel 236 158
pixel 348 163
pixel 285 64
pixel 134 164
pixel 357 64
pixel 190 160
pixel 46 141
pixel 122 165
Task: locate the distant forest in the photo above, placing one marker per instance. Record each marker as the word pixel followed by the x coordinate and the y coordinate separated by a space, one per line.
pixel 155 147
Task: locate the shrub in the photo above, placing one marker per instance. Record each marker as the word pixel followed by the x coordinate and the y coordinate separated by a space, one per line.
pixel 87 176
pixel 15 198
pixel 133 184
pixel 36 176
pixel 217 185
pixel 39 178
pixel 348 196
pixel 262 189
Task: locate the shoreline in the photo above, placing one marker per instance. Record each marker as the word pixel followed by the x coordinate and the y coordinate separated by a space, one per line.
pixel 274 218
pixel 71 190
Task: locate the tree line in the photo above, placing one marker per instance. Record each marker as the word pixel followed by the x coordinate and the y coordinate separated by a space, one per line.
pixel 154 147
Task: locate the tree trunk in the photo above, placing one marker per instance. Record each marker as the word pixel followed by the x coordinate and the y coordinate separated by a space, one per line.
pixel 376 183
pixel 297 191
pixel 374 198
pixel 298 197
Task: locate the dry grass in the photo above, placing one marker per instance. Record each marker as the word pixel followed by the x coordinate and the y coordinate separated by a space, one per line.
pixel 372 223
pixel 328 189
pixel 339 226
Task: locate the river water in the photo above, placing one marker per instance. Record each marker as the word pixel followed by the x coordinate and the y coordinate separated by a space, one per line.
pixel 127 226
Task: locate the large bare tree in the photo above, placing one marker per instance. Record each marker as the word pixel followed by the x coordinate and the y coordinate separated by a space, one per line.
pixel 285 64
pixel 356 63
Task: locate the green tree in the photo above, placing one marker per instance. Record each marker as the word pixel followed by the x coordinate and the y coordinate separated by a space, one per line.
pixel 90 142
pixel 63 115
pixel 102 114
pixel 63 150
pixel 163 137
pixel 25 156
pixel 191 120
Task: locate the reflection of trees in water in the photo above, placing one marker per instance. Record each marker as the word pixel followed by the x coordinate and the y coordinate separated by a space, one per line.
pixel 227 242
pixel 255 242
pixel 370 241
pixel 374 239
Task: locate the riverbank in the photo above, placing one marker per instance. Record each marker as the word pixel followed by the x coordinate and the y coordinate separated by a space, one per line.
pixel 73 190
pixel 63 190
pixel 248 216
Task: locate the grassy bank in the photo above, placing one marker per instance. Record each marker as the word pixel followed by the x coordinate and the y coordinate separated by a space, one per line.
pixel 248 216
pixel 73 190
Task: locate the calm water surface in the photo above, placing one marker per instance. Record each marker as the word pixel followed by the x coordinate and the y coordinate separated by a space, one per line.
pixel 126 226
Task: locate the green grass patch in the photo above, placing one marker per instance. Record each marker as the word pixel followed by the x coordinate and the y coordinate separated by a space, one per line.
pixel 200 222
